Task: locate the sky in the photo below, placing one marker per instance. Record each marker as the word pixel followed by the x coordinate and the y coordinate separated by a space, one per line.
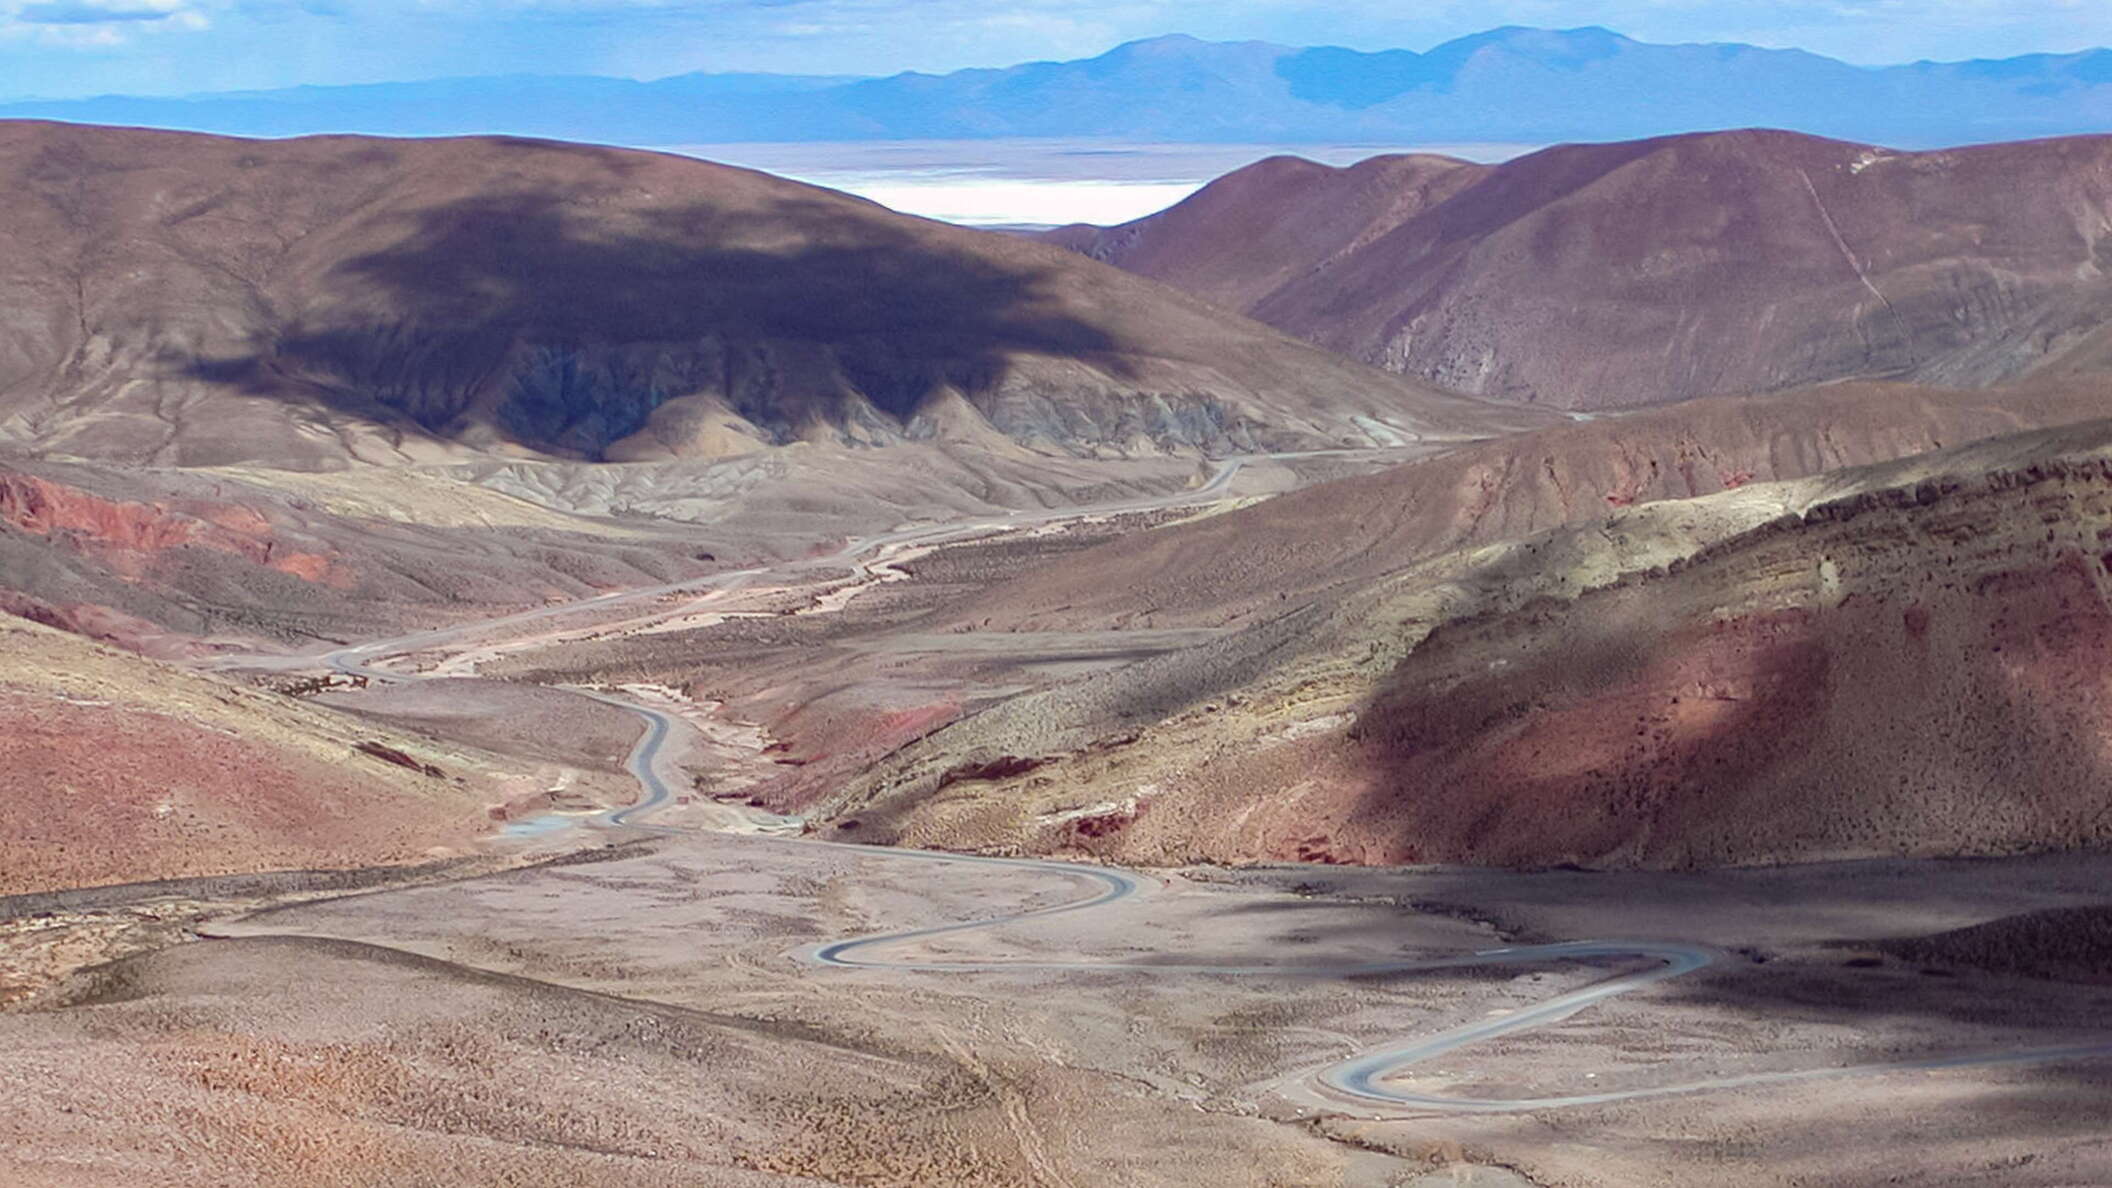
pixel 67 48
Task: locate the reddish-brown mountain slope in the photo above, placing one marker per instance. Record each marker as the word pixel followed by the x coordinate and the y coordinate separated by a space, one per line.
pixel 1618 275
pixel 1254 562
pixel 1902 658
pixel 121 769
pixel 196 300
pixel 1273 223
pixel 1915 669
pixel 155 560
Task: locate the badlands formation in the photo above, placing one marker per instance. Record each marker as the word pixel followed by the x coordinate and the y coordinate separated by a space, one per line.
pixel 489 622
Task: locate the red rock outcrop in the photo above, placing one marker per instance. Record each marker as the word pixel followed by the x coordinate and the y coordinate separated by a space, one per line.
pixel 128 536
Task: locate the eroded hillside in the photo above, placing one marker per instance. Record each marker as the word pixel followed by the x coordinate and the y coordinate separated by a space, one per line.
pixel 125 769
pixel 1257 561
pixel 1903 658
pixel 164 561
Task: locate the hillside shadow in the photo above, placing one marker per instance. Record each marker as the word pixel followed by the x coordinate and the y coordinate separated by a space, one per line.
pixel 541 318
pixel 1904 712
pixel 2027 1125
pixel 1753 1011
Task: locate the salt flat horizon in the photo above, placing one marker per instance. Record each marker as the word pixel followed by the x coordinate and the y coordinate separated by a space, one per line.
pixel 1022 183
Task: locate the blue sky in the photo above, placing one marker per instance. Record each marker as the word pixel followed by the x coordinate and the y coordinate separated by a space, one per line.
pixel 62 48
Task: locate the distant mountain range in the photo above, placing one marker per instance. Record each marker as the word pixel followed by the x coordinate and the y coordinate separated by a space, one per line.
pixel 1510 84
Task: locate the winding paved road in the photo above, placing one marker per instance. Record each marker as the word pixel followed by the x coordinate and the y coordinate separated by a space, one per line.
pixel 1361 1080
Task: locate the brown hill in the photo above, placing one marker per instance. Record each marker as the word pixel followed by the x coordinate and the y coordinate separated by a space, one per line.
pixel 122 769
pixel 1895 658
pixel 1258 229
pixel 156 560
pixel 1260 560
pixel 194 300
pixel 2069 944
pixel 1618 275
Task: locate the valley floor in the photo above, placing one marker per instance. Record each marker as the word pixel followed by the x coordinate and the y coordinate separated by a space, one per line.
pixel 644 1018
pixel 613 1004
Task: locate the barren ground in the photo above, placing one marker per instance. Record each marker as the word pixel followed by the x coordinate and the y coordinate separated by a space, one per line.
pixel 638 1014
pixel 639 1020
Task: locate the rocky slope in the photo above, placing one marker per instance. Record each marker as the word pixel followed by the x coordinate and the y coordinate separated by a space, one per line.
pixel 124 769
pixel 1258 561
pixel 1598 276
pixel 190 300
pixel 1902 658
pixel 176 561
pixel 164 560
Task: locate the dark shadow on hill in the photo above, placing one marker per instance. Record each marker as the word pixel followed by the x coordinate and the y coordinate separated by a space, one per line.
pixel 1934 697
pixel 537 318
pixel 2057 944
pixel 1780 1008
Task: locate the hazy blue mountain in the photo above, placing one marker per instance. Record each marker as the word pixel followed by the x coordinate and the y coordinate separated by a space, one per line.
pixel 1512 84
pixel 576 107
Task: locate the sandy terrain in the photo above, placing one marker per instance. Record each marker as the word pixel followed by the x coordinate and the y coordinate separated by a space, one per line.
pixel 501 716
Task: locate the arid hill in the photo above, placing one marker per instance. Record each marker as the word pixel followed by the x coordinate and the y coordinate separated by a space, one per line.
pixel 1601 276
pixel 159 560
pixel 2070 944
pixel 192 300
pixel 1258 229
pixel 1260 560
pixel 124 769
pixel 1901 658
pixel 182 561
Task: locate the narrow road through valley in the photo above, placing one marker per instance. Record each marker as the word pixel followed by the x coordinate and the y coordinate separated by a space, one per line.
pixel 1361 1082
